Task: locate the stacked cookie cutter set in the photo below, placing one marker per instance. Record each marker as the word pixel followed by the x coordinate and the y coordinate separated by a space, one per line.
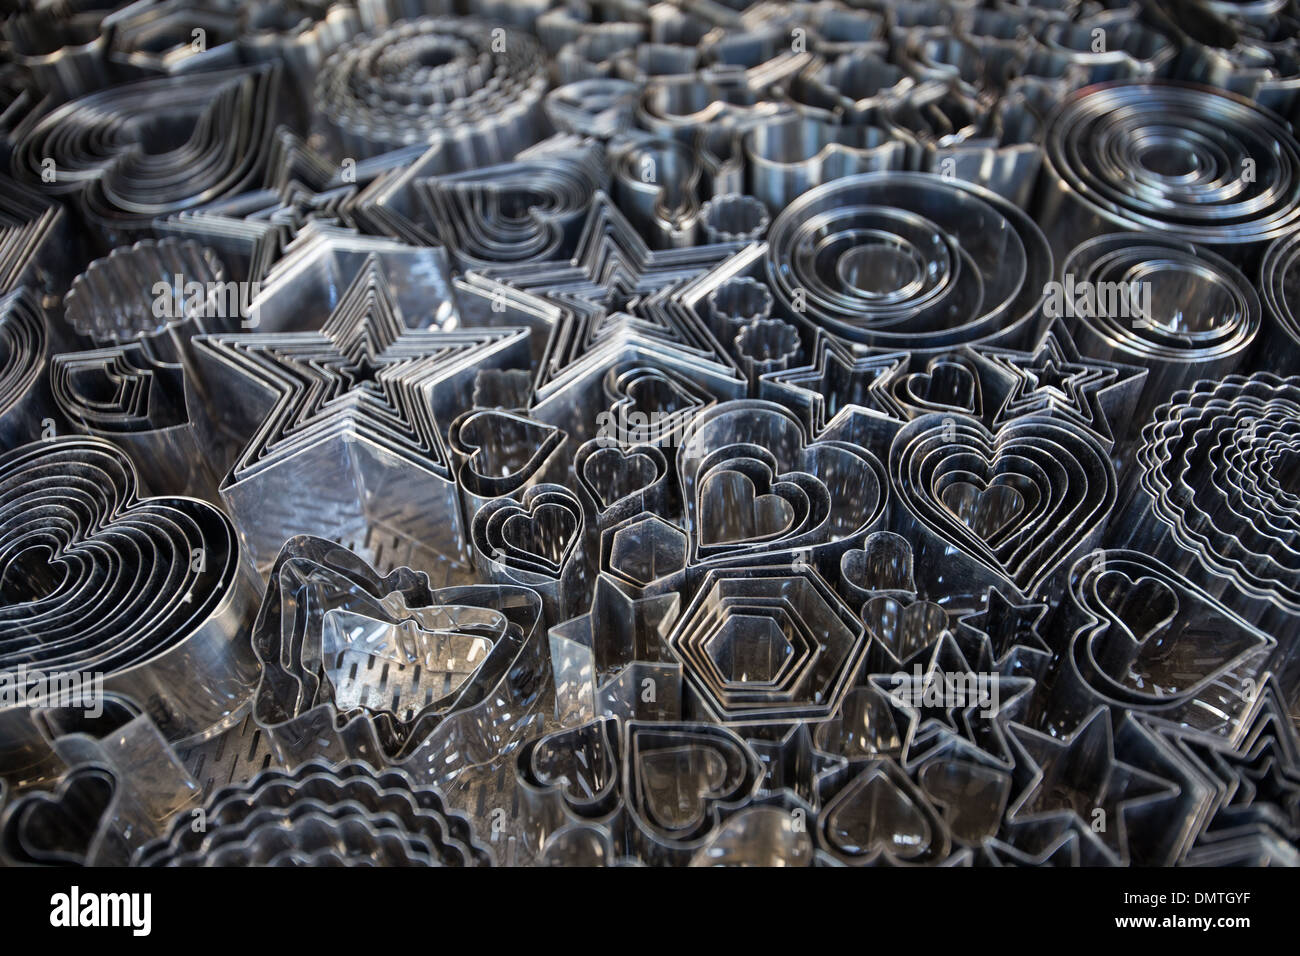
pixel 650 432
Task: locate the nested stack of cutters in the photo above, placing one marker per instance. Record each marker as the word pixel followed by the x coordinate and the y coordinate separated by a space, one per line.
pixel 664 432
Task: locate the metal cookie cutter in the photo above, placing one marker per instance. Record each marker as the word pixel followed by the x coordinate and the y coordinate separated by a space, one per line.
pixel 569 779
pixel 122 786
pixel 1184 162
pixel 764 346
pixel 683 794
pixel 93 146
pixel 481 97
pixel 615 306
pixel 878 816
pixel 660 182
pixel 35 241
pixel 316 269
pixel 374 194
pixel 943 710
pixel 755 492
pixel 1010 637
pixel 63 51
pixel 1180 310
pixel 118 298
pixel 528 209
pixel 787 157
pixel 568 22
pixel 246 248
pixel 733 217
pixel 602 55
pixel 861 729
pixel 299 35
pixel 352 412
pixel 878 580
pixel 1020 503
pixel 680 107
pixel 25 400
pixel 500 453
pixel 881 567
pixel 908 260
pixel 950 131
pixel 1054 380
pixel 621 482
pixel 901 387
pixel 905 628
pixel 345 814
pixel 1213 496
pixel 971 797
pixel 832 29
pixel 1278 288
pixel 1112 46
pixel 643 403
pixel 159 39
pixel 836 384
pixel 385 669
pixel 60 826
pixel 974 64
pixel 645 554
pixel 737 302
pixel 763 55
pixel 614 660
pixel 129 396
pixel 766 645
pixel 1249 788
pixel 680 781
pixel 539 541
pixel 1069 780
pixel 300 187
pixel 851 89
pixel 145 592
pixel 1144 638
pixel 1255 56
pixel 772 831
pixel 601 107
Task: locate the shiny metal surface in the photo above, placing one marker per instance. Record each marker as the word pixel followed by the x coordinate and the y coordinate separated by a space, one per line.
pixel 618 433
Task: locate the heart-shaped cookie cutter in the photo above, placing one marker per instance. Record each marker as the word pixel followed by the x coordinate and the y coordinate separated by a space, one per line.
pixel 1060 491
pixel 143 592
